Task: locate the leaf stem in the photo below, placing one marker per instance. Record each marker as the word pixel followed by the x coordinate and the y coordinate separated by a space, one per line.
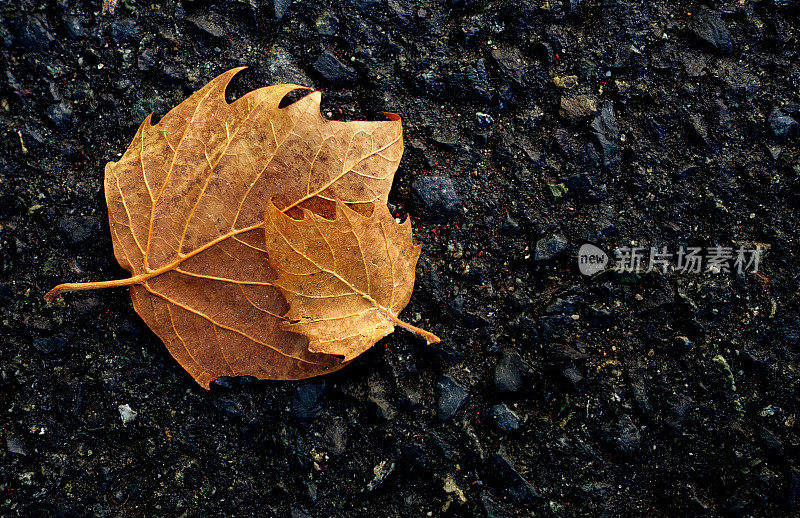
pixel 53 294
pixel 428 336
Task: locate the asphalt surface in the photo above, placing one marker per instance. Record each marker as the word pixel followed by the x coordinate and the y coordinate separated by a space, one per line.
pixel 531 129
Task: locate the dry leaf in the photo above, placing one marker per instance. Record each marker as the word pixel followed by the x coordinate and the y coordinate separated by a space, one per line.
pixel 186 207
pixel 346 280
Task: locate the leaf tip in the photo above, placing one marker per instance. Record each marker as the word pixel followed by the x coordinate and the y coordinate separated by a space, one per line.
pixel 227 76
pixel 342 210
pixel 52 295
pixel 392 116
pixel 316 100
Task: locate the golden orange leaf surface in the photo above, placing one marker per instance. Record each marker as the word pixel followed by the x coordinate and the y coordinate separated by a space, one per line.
pixel 347 279
pixel 186 205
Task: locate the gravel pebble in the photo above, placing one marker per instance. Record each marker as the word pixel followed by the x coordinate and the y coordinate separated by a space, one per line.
pixel 451 397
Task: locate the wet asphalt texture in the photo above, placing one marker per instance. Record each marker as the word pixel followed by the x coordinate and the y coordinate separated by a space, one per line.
pixel 531 128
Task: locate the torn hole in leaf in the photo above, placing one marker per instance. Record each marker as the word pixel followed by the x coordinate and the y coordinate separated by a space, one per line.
pixel 294 96
pixel 239 85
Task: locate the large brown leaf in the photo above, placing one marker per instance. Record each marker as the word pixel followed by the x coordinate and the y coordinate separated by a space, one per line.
pixel 346 280
pixel 186 208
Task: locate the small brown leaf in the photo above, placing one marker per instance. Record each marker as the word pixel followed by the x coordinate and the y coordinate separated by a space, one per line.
pixel 186 207
pixel 345 279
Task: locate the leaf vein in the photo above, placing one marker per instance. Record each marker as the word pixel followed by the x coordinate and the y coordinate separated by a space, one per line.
pixel 222 326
